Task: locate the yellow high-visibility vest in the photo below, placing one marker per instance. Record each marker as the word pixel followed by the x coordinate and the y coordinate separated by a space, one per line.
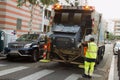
pixel 91 51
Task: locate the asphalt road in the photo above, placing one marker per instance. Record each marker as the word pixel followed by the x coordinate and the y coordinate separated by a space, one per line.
pixel 23 69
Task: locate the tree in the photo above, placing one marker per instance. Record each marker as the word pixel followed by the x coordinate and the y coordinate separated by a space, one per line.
pixel 35 3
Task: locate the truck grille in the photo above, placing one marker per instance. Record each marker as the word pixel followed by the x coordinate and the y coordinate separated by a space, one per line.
pixel 63 42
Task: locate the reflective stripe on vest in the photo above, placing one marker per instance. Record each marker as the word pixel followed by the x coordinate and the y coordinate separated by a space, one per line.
pixel 91 51
pixel 92 47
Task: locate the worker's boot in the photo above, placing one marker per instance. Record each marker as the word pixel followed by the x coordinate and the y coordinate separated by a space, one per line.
pixel 89 76
pixel 85 76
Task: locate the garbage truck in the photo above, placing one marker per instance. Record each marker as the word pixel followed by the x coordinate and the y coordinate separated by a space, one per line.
pixel 70 25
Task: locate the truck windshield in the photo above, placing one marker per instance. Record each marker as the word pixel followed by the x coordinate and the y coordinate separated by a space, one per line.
pixel 67 18
pixel 28 37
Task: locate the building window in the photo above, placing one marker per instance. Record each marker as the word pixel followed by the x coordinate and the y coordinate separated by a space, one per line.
pixel 45 28
pixel 117 25
pixel 19 24
pixel 2 0
pixel 40 27
pixel 47 14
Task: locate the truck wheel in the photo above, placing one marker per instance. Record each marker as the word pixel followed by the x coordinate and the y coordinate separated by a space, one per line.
pixel 35 55
pixel 98 59
pixel 102 53
pixel 98 56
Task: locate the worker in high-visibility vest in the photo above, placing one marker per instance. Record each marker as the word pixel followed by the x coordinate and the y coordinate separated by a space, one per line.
pixel 90 58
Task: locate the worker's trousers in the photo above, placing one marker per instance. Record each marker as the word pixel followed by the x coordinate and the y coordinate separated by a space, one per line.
pixel 89 67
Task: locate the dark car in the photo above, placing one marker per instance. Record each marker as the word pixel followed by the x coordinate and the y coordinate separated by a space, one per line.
pixel 116 47
pixel 27 45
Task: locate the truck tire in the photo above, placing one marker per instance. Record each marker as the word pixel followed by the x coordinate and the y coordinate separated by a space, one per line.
pixel 35 55
pixel 98 56
pixel 102 53
pixel 98 60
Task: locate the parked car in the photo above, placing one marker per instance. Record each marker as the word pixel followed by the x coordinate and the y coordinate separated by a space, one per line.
pixel 27 45
pixel 116 47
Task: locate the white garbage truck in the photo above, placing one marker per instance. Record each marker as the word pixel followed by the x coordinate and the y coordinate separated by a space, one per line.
pixel 70 25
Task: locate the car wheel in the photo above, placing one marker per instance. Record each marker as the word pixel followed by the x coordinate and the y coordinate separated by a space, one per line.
pixel 35 55
pixel 114 52
pixel 9 58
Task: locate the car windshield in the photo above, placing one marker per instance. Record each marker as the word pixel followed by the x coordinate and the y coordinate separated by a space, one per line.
pixel 117 45
pixel 28 37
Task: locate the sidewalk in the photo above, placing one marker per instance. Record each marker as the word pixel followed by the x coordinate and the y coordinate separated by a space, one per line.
pixel 116 76
pixel 113 74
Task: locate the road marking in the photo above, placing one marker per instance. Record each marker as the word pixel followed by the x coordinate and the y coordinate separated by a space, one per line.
pixel 73 77
pixel 111 73
pixel 77 76
pixel 96 75
pixel 2 65
pixel 37 75
pixel 7 71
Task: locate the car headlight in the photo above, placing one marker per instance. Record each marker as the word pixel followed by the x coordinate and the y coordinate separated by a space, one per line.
pixel 72 40
pixel 115 49
pixel 27 45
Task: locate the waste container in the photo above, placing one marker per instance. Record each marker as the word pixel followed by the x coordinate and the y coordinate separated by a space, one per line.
pixel 2 38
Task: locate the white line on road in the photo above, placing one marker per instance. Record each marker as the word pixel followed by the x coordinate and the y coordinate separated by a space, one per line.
pixel 77 76
pixel 37 75
pixel 74 77
pixel 96 75
pixel 2 65
pixel 111 73
pixel 7 71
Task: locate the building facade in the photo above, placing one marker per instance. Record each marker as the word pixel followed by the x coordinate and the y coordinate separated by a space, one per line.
pixel 19 19
pixel 117 27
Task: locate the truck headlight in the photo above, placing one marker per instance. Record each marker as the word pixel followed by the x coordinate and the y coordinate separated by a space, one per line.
pixel 27 45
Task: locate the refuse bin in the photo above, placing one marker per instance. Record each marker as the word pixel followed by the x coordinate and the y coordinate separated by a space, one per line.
pixel 2 38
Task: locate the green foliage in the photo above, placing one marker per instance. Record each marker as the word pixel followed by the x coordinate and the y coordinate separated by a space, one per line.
pixel 20 2
pixel 48 2
pixel 36 2
pixel 33 2
pixel 117 37
pixel 111 36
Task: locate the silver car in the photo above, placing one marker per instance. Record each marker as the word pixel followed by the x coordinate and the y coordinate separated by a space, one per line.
pixel 116 48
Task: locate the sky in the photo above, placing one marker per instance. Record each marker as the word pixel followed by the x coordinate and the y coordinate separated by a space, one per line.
pixel 109 8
